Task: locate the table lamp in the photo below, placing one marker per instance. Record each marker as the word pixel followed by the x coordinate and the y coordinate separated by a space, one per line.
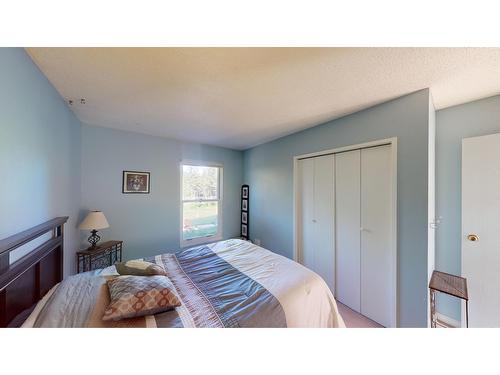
pixel 95 220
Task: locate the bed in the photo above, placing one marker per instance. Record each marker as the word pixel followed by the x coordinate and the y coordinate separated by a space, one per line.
pixel 231 283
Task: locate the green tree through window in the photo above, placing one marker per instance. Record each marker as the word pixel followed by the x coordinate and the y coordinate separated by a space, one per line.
pixel 200 201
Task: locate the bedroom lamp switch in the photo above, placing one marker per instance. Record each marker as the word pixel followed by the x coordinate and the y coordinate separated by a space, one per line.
pixel 256 241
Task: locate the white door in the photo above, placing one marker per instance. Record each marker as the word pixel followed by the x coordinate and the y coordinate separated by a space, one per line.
pixel 481 217
pixel 306 206
pixel 348 221
pixel 376 234
pixel 316 206
pixel 324 219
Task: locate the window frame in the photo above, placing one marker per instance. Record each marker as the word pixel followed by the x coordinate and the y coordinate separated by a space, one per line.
pixel 220 189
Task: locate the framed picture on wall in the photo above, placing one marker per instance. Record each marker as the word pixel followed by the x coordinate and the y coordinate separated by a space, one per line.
pixel 245 196
pixel 135 182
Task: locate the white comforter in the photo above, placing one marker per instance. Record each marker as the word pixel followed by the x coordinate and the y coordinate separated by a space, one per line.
pixel 303 295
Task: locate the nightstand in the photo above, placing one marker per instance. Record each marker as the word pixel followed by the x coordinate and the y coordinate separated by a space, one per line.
pixel 104 255
pixel 455 286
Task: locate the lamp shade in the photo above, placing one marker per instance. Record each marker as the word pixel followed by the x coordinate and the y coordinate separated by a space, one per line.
pixel 94 220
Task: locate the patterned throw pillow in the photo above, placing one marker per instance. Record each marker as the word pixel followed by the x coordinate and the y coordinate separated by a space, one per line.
pixel 139 268
pixel 134 296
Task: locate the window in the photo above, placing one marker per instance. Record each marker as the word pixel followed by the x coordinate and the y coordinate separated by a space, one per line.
pixel 201 192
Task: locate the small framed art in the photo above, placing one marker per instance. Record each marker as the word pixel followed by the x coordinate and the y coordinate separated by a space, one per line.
pixel 244 217
pixel 244 205
pixel 135 182
pixel 244 192
pixel 244 231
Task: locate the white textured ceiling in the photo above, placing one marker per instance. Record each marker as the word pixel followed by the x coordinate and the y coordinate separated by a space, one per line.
pixel 241 97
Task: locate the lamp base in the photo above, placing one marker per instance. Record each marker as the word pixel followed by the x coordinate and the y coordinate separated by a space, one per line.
pixel 94 238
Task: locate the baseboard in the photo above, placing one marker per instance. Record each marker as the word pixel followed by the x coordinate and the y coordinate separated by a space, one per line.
pixel 445 321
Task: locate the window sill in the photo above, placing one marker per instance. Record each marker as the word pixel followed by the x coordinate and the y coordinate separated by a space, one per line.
pixel 200 241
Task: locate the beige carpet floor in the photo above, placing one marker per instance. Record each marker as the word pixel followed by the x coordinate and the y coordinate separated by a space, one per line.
pixel 353 319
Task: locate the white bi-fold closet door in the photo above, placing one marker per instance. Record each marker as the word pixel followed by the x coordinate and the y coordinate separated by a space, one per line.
pixel 364 209
pixel 317 219
pixel 350 244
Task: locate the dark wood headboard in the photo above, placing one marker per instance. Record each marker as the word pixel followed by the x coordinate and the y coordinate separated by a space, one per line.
pixel 24 282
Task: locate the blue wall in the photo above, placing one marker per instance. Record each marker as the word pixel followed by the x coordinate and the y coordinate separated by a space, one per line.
pixel 269 172
pixel 39 152
pixel 149 223
pixel 472 119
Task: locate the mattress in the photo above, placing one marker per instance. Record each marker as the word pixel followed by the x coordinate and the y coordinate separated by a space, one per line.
pixel 230 283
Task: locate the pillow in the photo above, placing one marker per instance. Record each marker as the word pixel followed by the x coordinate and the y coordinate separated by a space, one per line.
pixel 134 296
pixel 139 268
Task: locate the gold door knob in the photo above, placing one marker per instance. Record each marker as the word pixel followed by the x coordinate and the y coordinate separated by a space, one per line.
pixel 473 237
